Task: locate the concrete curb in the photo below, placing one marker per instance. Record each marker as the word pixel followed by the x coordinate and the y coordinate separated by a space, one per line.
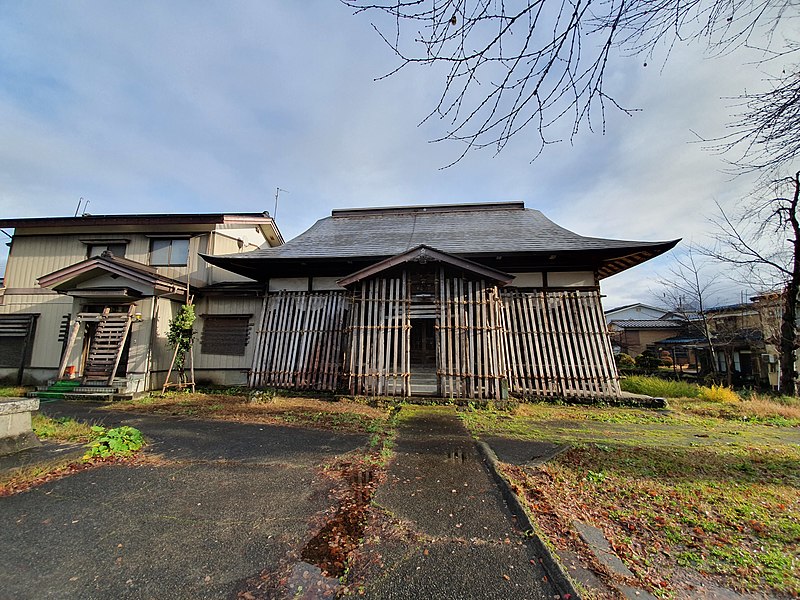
pixel 552 567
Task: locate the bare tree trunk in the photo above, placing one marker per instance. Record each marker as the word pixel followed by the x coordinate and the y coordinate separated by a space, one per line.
pixel 788 342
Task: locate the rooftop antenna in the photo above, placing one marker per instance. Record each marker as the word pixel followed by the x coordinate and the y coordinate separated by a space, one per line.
pixel 277 191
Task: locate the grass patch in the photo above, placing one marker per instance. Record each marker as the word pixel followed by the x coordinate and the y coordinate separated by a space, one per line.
pixel 684 495
pixel 237 404
pixel 13 391
pixel 657 387
pixel 62 429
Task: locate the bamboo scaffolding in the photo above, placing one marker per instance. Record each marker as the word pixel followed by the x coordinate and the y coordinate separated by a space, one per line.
pixel 561 338
pixel 298 345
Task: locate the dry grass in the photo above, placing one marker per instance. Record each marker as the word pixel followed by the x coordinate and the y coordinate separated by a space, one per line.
pixel 758 408
pixel 766 407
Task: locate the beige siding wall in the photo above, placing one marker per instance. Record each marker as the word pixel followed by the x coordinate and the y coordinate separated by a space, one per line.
pixel 326 284
pixel 223 369
pixel 32 257
pixel 288 284
pixel 222 244
pixel 140 348
pixel 160 352
pixel 570 279
pixel 527 280
pixel 51 309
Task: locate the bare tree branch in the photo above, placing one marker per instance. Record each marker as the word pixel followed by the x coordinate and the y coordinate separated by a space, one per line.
pixel 514 65
pixel 764 240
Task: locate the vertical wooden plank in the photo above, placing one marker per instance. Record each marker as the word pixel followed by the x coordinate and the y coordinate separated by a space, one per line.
pixel 382 336
pixel 268 355
pixel 406 344
pixel 283 314
pixel 461 334
pixel 596 312
pixel 540 343
pixel 471 338
pixel 596 383
pixel 361 340
pixel 550 341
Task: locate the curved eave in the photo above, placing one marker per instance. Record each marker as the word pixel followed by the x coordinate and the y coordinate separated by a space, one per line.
pixel 631 257
pixel 606 261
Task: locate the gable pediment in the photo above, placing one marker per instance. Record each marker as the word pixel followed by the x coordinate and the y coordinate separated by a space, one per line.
pixel 110 276
pixel 423 254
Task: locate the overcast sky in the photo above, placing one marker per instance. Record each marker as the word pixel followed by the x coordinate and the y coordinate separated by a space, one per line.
pixel 209 107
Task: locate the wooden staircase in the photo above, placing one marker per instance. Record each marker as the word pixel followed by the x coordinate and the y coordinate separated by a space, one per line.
pixel 424 381
pixel 107 346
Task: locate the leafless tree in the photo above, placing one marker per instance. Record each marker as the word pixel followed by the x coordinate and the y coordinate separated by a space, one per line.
pixel 531 64
pixel 763 243
pixel 687 289
pixel 765 134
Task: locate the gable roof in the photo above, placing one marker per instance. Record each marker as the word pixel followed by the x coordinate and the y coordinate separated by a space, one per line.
pixel 647 324
pixel 474 231
pixel 108 263
pixel 640 304
pixel 144 222
pixel 423 254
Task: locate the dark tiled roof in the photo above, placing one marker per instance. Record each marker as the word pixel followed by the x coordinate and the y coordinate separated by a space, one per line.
pixel 624 306
pixel 468 229
pixel 503 235
pixel 647 324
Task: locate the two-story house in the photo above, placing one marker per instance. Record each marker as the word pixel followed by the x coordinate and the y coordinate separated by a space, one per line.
pixel 91 297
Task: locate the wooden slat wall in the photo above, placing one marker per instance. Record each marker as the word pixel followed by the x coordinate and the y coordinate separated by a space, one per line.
pixel 299 341
pixel 557 345
pixel 378 358
pixel 470 339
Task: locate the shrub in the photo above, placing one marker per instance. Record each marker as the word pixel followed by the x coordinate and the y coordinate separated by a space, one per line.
pixel 647 362
pixel 624 361
pixel 718 393
pixel 118 441
pixel 662 388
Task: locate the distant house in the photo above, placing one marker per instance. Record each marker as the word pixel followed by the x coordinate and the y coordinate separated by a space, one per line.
pixel 463 301
pixel 91 297
pixel 635 312
pixel 634 336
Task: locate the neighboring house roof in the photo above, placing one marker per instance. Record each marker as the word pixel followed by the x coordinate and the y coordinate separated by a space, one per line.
pixel 635 304
pixel 143 221
pixel 140 219
pixel 70 276
pixel 492 231
pixel 647 324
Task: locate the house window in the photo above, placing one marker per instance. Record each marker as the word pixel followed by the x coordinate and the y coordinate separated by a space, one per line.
pixel 225 334
pixel 169 252
pixel 16 339
pixel 117 250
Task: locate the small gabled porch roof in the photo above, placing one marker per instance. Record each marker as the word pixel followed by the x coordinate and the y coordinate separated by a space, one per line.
pixel 423 254
pixel 129 276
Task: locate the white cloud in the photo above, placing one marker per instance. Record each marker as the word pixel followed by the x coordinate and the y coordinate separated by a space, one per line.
pixel 177 107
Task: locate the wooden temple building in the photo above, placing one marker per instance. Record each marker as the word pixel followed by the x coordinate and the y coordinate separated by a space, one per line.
pixel 464 301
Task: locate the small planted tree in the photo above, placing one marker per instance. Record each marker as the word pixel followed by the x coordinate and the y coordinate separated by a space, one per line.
pixel 180 338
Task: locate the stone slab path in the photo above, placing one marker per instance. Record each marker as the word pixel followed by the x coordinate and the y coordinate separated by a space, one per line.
pixel 465 543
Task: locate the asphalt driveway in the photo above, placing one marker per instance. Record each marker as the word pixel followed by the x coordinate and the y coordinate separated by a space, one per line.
pixel 229 501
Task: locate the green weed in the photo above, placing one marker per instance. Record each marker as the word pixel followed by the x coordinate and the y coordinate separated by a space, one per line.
pixel 117 441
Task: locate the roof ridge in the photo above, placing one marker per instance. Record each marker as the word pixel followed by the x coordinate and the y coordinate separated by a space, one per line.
pixel 427 208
